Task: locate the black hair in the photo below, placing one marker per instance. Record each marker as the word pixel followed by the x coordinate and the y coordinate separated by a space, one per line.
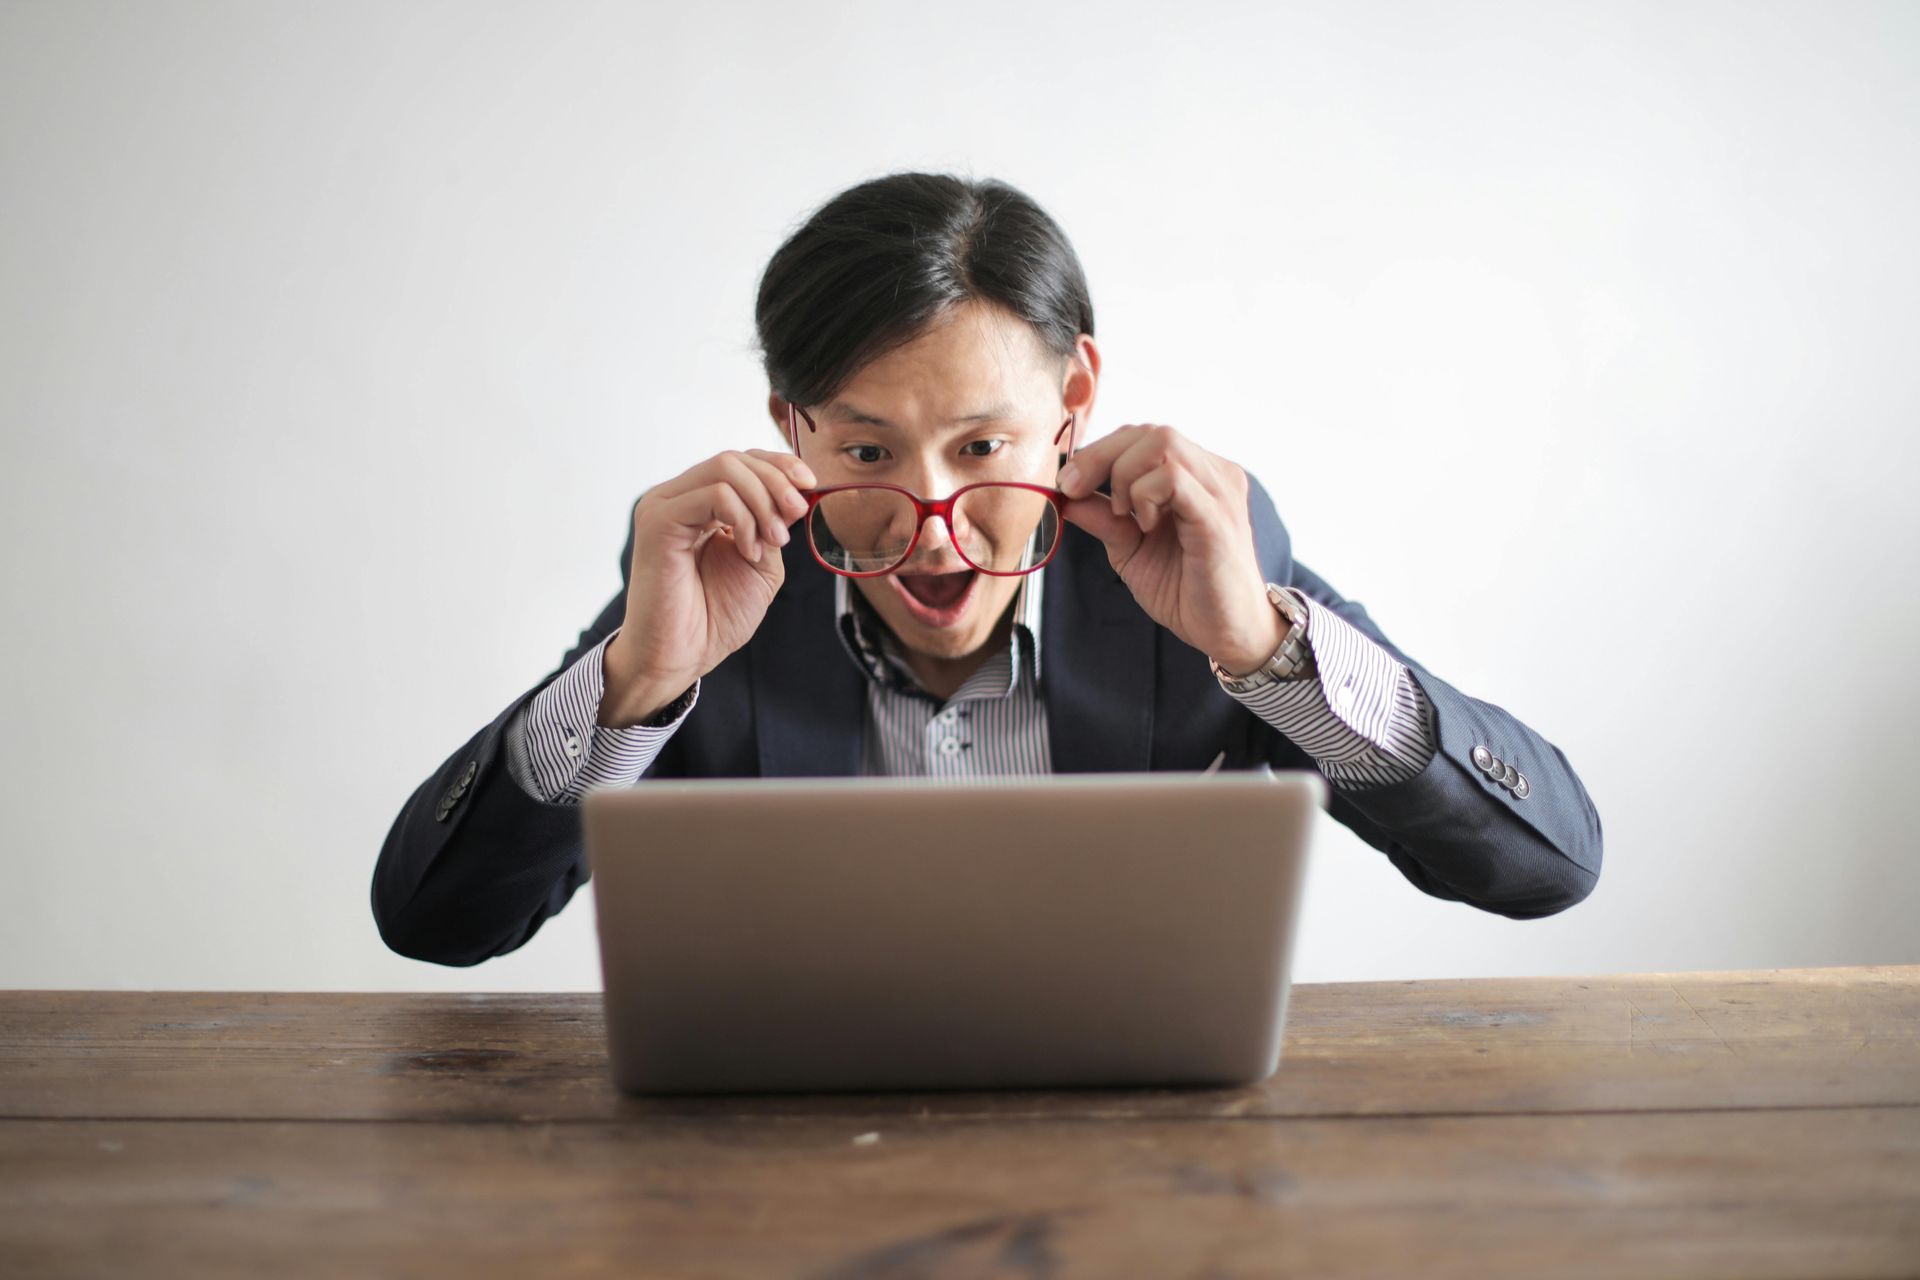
pixel 874 266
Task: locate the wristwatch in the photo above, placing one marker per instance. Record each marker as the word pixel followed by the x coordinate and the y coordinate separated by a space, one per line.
pixel 1293 660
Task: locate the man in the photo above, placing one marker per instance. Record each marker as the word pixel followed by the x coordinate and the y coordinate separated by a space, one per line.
pixel 929 338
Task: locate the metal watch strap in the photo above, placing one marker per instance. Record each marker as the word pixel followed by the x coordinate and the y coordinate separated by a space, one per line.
pixel 1293 660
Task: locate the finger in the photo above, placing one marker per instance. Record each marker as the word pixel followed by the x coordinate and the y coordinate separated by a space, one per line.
pixel 796 470
pixel 1121 534
pixel 752 486
pixel 1088 468
pixel 1153 493
pixel 717 503
pixel 786 495
pixel 706 472
pixel 1173 490
pixel 698 476
pixel 1148 451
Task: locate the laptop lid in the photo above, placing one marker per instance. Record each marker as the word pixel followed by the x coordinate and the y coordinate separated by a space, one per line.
pixel 843 934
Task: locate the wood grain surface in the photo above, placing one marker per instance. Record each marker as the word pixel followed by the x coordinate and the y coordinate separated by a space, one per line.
pixel 1737 1124
pixel 1783 1038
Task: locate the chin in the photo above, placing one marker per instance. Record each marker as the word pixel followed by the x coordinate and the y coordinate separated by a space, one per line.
pixel 944 643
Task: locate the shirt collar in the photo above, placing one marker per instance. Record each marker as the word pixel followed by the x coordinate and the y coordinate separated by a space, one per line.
pixel 874 649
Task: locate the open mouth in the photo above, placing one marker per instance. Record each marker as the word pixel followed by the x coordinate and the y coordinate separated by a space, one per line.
pixel 936 599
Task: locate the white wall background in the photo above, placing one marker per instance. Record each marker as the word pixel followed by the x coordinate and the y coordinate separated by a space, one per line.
pixel 1576 341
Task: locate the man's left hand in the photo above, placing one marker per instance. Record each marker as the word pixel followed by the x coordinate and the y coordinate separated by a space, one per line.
pixel 1177 533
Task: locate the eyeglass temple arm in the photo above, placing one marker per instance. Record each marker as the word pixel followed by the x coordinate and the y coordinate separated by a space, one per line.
pixel 793 428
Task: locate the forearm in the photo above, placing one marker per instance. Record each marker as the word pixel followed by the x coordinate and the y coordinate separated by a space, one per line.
pixel 476 861
pixel 470 872
pixel 1459 831
pixel 561 744
pixel 1452 828
pixel 1356 710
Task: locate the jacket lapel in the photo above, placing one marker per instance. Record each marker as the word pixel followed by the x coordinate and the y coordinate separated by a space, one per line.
pixel 1098 682
pixel 809 702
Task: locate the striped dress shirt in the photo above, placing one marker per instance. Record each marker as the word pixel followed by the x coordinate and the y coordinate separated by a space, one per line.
pixel 1361 716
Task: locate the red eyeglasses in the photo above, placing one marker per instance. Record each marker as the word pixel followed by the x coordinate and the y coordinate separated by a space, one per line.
pixel 999 527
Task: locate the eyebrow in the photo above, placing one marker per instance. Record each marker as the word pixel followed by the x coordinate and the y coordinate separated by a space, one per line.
pixel 847 413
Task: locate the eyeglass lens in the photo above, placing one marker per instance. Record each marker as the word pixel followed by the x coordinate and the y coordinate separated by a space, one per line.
pixel 998 528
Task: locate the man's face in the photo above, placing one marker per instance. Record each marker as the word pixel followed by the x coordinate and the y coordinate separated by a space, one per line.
pixel 975 398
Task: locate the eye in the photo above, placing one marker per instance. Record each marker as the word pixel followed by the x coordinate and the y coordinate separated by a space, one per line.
pixel 855 450
pixel 998 445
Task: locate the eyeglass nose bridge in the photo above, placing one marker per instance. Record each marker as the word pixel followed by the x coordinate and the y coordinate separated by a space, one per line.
pixel 928 509
pixel 925 509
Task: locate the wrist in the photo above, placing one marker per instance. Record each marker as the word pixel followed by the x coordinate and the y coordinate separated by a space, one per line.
pixel 632 697
pixel 1240 659
pixel 1289 657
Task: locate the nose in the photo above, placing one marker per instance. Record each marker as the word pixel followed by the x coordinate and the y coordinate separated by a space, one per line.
pixel 936 553
pixel 927 477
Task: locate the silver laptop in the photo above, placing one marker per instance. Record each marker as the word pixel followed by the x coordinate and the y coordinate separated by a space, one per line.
pixel 853 934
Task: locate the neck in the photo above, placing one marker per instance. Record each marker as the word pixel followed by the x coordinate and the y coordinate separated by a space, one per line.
pixel 942 677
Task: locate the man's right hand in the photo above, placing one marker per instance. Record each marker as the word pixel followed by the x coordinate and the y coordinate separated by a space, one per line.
pixel 706 562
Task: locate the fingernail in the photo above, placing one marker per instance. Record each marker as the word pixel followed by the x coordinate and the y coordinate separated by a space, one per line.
pixel 1069 477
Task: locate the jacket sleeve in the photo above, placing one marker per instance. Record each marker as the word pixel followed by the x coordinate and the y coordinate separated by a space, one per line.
pixel 473 864
pixel 1455 829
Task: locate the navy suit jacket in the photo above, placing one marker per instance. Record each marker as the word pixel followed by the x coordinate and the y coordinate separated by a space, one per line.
pixel 473 864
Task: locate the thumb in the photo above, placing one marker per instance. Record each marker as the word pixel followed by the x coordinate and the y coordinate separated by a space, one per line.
pixel 1094 513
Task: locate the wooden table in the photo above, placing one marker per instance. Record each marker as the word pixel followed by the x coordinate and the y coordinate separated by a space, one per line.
pixel 1736 1124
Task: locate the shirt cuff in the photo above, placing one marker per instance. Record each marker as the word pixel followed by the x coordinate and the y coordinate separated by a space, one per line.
pixel 557 749
pixel 1365 720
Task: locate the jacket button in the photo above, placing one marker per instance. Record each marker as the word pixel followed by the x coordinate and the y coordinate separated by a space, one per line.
pixel 1510 776
pixel 1520 788
pixel 459 788
pixel 1482 758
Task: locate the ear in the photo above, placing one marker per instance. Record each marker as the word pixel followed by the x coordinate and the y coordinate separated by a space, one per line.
pixel 777 410
pixel 1080 380
pixel 789 420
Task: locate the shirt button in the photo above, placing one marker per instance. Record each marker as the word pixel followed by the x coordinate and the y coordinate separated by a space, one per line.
pixel 573 746
pixel 948 716
pixel 950 747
